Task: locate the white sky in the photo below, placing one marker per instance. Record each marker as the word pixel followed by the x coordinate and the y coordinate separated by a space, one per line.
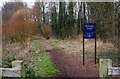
pixel 30 3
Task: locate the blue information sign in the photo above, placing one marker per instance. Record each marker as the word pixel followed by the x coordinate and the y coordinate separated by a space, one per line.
pixel 89 30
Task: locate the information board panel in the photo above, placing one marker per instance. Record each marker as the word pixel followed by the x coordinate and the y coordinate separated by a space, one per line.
pixel 113 70
pixel 89 33
pixel 89 30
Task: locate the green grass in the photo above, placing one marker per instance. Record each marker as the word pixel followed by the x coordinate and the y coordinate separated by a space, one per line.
pixel 39 47
pixel 45 66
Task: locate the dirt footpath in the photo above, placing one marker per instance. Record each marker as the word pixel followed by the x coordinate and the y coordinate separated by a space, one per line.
pixel 71 66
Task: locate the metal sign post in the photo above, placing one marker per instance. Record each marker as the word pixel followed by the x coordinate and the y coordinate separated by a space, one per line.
pixel 89 33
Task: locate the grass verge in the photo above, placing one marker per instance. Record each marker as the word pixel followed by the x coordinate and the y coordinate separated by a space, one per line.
pixel 45 66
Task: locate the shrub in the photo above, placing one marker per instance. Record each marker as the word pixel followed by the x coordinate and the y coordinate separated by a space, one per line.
pixel 20 26
pixel 30 73
pixel 46 31
pixel 6 62
pixel 113 55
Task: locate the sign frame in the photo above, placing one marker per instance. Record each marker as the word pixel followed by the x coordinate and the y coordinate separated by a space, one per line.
pixel 93 37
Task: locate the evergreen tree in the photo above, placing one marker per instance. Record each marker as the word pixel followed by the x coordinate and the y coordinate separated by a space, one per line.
pixel 61 20
pixel 54 20
pixel 70 19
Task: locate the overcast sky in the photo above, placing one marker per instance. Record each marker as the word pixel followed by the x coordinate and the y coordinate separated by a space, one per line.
pixel 30 3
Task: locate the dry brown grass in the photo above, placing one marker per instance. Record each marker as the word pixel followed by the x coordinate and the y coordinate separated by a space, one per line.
pixel 75 46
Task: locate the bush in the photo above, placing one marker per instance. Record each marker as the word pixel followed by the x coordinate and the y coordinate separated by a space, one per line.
pixel 6 62
pixel 31 74
pixel 113 55
pixel 20 26
pixel 46 31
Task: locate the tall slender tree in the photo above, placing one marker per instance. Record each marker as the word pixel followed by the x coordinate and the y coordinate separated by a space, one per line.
pixel 54 20
pixel 43 12
pixel 78 18
pixel 70 20
pixel 37 13
pixel 61 19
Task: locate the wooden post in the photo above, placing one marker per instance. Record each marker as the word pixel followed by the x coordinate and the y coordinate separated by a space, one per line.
pixel 0 40
pixel 95 44
pixel 0 30
pixel 19 64
pixel 83 48
pixel 103 65
pixel 17 70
